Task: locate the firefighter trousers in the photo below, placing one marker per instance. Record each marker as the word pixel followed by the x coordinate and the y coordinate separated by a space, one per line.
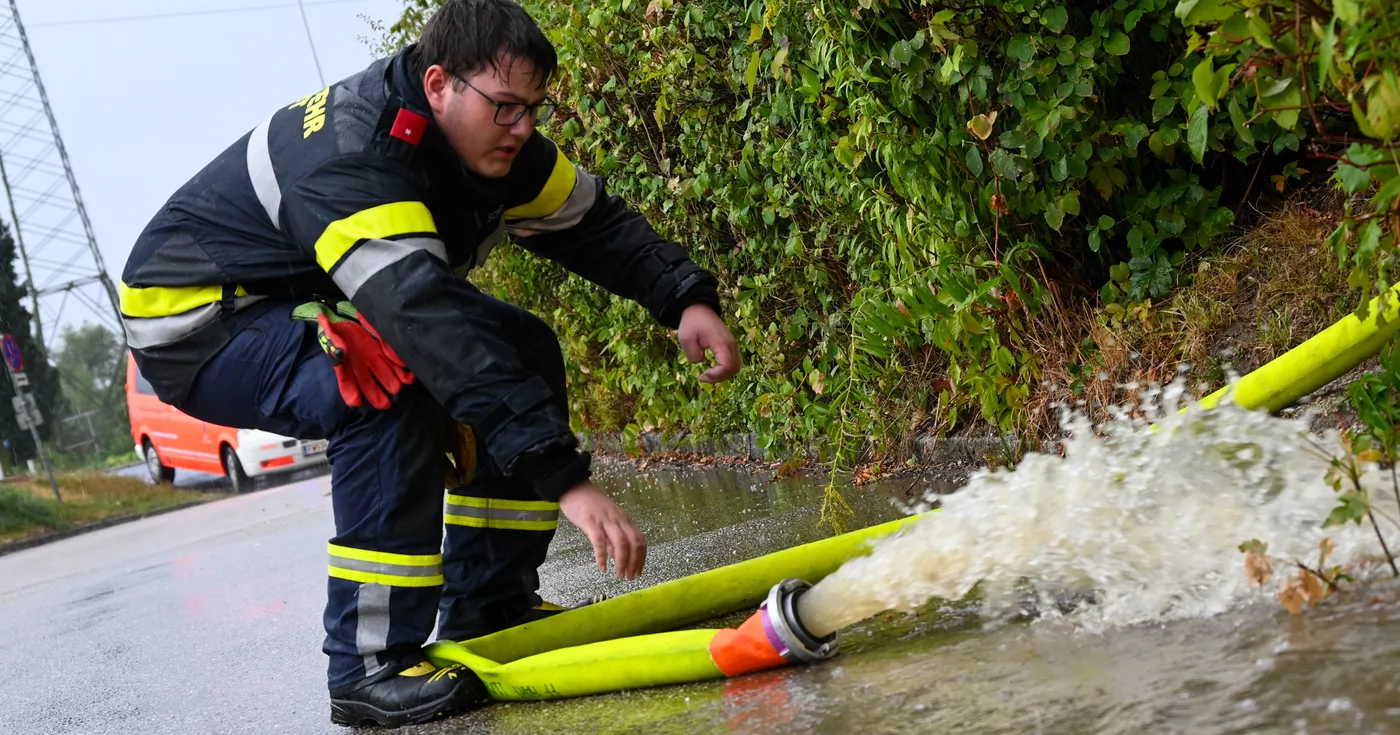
pixel 390 572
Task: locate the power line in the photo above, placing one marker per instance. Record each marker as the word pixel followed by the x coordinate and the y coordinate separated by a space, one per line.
pixel 311 42
pixel 190 13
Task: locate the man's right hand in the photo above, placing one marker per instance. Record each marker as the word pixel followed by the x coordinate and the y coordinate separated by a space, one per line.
pixel 609 528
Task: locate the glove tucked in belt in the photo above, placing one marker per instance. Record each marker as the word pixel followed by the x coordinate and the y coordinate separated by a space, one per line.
pixel 366 369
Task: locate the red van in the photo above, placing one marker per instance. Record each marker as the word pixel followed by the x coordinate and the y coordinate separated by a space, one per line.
pixel 168 440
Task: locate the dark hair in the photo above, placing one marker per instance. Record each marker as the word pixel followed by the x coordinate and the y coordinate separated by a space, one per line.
pixel 466 36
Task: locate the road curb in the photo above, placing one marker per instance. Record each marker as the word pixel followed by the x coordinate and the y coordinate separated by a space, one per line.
pixel 48 538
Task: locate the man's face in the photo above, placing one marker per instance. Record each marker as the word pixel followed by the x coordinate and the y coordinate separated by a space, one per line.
pixel 464 109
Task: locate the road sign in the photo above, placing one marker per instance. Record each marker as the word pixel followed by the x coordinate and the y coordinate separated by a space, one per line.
pixel 27 411
pixel 21 380
pixel 10 348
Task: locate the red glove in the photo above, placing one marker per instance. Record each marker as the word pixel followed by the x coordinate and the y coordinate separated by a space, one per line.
pixel 366 368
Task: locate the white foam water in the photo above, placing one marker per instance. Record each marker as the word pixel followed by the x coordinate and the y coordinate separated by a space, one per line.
pixel 1144 513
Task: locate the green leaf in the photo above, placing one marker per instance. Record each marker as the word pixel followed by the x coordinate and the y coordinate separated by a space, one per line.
pixel 1324 55
pixel 1055 215
pixel 1196 132
pixel 1237 118
pixel 1259 29
pixel 1071 203
pixel 1020 48
pixel 1352 509
pixel 1163 107
pixel 1056 18
pixel 1201 12
pixel 1117 44
pixel 1133 136
pixel 901 52
pixel 1385 198
pixel 973 159
pixel 1203 77
pixel 1106 222
pixel 751 74
pixel 1348 11
pixel 1094 240
pixel 755 32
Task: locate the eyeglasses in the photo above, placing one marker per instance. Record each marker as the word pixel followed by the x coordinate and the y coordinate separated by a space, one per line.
pixel 510 113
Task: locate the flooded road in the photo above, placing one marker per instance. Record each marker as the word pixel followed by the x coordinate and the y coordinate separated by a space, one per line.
pixel 207 620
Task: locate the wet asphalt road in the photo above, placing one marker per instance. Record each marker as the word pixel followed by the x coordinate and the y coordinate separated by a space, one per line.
pixel 207 620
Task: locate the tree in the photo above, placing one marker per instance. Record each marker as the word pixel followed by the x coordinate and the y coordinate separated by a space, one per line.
pixel 92 369
pixel 17 321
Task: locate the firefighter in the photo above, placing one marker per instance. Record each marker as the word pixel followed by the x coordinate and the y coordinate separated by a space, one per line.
pixel 311 281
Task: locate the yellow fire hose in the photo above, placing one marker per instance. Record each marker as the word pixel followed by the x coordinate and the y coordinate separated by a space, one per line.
pixel 621 643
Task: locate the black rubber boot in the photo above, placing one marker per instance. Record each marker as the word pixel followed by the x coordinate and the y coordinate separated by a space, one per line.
pixel 413 696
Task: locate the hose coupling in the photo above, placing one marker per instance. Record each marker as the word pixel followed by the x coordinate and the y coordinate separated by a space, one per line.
pixel 785 631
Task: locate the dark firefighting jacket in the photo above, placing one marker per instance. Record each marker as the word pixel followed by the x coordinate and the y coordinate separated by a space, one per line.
pixel 353 193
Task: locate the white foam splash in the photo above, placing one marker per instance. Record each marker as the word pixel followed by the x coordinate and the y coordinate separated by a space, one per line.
pixel 1149 521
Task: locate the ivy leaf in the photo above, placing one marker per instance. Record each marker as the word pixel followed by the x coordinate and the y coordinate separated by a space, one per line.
pixel 1056 18
pixel 902 52
pixel 1020 48
pixel 1197 131
pixel 1117 44
pixel 973 159
pixel 1106 222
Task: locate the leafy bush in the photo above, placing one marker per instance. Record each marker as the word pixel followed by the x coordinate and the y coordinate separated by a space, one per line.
pixel 1276 72
pixel 889 194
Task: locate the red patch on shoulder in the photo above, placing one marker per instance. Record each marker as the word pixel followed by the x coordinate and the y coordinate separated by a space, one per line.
pixel 409 126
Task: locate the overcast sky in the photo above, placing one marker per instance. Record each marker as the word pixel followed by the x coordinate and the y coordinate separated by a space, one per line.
pixel 143 104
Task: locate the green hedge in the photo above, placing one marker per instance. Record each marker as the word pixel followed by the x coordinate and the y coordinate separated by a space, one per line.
pixel 884 190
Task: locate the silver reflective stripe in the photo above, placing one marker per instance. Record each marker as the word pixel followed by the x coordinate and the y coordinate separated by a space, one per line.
pixel 377 567
pixel 143 333
pixel 503 515
pixel 569 214
pixel 372 624
pixel 373 256
pixel 146 332
pixel 261 173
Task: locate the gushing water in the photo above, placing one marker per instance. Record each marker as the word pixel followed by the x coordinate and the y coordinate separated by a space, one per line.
pixel 1142 515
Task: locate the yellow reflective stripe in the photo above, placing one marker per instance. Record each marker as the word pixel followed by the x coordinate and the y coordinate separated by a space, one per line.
pixel 158 301
pixel 376 223
pixel 544 505
pixel 475 522
pixel 556 191
pixel 384 557
pixel 385 579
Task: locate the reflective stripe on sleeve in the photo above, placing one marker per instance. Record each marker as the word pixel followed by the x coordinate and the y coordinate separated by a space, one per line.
pixel 263 176
pixel 569 213
pixel 369 240
pixel 381 567
pixel 373 256
pixel 555 192
pixel 518 515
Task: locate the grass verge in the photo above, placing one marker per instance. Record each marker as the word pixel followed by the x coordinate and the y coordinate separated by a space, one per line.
pixel 28 508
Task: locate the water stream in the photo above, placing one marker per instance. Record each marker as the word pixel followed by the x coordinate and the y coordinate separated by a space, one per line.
pixel 1101 591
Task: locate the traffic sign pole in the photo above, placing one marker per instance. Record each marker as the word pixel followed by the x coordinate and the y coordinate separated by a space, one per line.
pixel 14 366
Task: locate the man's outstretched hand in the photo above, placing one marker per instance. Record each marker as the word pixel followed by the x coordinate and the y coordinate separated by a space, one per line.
pixel 702 329
pixel 609 528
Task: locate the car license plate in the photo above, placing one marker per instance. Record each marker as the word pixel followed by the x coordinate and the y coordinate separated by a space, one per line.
pixel 316 447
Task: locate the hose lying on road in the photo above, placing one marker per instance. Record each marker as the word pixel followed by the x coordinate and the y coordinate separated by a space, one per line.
pixel 619 643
